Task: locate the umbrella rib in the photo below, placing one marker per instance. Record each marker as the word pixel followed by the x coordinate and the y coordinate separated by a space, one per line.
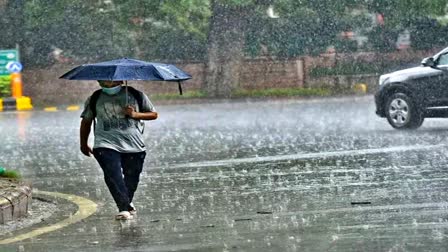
pixel 115 74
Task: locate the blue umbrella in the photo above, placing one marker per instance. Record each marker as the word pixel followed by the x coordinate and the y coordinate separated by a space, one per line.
pixel 127 69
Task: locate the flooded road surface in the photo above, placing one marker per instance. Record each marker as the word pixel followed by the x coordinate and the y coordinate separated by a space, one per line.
pixel 315 175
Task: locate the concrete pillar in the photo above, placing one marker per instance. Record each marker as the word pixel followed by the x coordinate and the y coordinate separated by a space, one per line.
pixel 300 70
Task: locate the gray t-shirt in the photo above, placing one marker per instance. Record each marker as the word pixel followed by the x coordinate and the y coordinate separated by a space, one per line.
pixel 113 129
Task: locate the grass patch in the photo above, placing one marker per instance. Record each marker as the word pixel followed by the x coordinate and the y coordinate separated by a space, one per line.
pixel 176 96
pixel 347 69
pixel 282 92
pixel 256 93
pixel 9 174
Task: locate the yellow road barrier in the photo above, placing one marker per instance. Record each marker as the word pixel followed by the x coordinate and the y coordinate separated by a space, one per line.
pixel 16 103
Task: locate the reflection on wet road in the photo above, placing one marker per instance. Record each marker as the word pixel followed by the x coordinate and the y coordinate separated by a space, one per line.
pixel 260 176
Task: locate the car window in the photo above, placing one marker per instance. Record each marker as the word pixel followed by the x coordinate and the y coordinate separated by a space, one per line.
pixel 443 60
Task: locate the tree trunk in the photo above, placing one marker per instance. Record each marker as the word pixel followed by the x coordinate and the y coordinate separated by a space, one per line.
pixel 225 50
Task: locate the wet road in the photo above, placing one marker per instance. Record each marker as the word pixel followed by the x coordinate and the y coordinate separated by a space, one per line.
pixel 256 176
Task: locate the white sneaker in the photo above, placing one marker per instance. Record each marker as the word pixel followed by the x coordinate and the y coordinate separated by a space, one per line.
pixel 134 210
pixel 124 215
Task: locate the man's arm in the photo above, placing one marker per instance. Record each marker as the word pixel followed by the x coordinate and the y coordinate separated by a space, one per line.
pixel 130 111
pixel 84 133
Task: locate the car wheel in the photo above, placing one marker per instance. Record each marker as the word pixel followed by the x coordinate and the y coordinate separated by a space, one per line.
pixel 402 112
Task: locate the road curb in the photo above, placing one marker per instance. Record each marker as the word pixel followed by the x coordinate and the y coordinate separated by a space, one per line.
pixel 14 201
pixel 67 108
pixel 85 208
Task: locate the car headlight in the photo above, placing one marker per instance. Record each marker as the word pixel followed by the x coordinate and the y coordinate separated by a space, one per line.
pixel 383 79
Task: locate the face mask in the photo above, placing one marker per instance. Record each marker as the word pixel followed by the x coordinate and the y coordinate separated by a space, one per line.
pixel 112 90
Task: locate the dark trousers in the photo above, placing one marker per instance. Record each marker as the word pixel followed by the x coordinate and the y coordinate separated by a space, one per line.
pixel 121 173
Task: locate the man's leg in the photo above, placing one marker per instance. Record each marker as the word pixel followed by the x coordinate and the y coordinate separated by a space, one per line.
pixel 110 162
pixel 132 167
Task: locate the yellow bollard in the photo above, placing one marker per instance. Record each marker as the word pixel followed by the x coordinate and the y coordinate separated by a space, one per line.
pixel 23 103
pixel 16 85
pixel 360 88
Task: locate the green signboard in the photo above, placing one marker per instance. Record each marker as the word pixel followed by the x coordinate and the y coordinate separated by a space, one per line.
pixel 7 56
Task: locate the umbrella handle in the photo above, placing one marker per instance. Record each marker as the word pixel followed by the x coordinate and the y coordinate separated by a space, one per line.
pixel 126 83
pixel 180 87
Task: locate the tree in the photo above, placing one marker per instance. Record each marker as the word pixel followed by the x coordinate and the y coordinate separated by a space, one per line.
pixel 225 47
pixel 427 33
pixel 92 30
pixel 236 26
pixel 12 18
pixel 80 28
pixel 399 15
pixel 177 31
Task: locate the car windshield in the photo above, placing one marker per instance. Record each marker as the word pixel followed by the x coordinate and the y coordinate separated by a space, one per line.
pixel 443 59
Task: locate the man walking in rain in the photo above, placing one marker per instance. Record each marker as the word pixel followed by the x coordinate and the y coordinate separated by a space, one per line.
pixel 118 146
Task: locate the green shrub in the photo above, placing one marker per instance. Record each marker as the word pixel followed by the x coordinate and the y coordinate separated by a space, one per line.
pixel 172 96
pixel 356 68
pixel 382 39
pixel 347 69
pixel 5 85
pixel 257 93
pixel 346 45
pixel 9 173
pixel 427 33
pixel 282 92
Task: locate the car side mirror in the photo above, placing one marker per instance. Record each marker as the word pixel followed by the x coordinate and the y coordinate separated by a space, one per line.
pixel 429 62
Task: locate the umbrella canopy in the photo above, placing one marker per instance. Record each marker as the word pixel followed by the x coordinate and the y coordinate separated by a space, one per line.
pixel 126 69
